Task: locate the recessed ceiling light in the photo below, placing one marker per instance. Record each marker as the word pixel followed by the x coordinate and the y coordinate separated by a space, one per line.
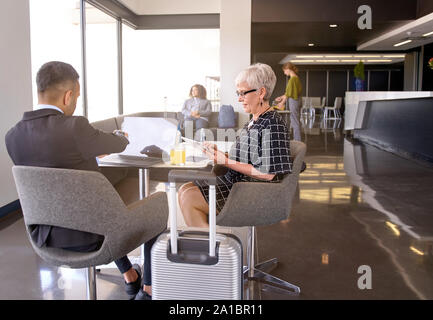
pixel 351 61
pixel 380 60
pixel 394 56
pixel 402 43
pixel 327 60
pixel 300 61
pixel 309 56
pixel 338 56
pixel 311 44
pixel 333 25
pixel 366 56
pixel 427 34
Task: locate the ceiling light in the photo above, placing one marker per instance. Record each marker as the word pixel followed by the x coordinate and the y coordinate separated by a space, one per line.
pixel 427 34
pixel 333 25
pixel 342 56
pixel 309 56
pixel 311 44
pixel 366 56
pixel 394 56
pixel 300 61
pixel 355 61
pixel 327 60
pixel 380 60
pixel 402 43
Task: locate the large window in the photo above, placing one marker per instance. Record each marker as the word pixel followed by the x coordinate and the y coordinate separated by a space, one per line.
pixel 55 35
pixel 101 62
pixel 160 66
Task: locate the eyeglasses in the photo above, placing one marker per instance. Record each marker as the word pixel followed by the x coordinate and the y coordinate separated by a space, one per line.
pixel 242 94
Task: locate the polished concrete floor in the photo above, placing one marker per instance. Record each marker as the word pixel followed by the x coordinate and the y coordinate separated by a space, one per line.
pixel 361 228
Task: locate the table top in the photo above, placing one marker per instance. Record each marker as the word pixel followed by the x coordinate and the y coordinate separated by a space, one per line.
pixel 200 161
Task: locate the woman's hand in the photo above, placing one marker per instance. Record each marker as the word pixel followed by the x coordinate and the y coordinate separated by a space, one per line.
pixel 214 154
pixel 280 106
pixel 280 98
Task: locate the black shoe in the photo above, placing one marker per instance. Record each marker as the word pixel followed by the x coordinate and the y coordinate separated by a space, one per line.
pixel 142 295
pixel 304 166
pixel 133 288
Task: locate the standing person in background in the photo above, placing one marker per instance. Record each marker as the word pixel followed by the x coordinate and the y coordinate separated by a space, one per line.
pixel 197 109
pixel 293 94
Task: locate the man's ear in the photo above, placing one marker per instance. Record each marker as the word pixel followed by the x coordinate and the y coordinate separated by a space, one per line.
pixel 67 97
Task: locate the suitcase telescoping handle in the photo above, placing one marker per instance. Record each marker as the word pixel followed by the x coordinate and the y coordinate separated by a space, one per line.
pixel 187 176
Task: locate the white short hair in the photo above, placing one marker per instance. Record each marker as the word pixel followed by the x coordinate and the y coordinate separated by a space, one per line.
pixel 257 76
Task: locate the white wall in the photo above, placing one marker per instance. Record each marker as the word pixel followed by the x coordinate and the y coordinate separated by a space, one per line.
pixel 15 82
pixel 235 54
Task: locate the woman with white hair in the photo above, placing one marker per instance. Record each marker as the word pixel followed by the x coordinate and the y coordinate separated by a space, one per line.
pixel 261 153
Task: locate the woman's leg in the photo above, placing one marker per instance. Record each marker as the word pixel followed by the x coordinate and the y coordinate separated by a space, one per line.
pixel 194 207
pixel 294 118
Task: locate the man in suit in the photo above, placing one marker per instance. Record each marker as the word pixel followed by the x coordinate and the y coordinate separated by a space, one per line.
pixel 50 136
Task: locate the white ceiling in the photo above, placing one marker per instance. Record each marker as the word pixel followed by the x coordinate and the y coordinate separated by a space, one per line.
pixel 159 7
pixel 412 31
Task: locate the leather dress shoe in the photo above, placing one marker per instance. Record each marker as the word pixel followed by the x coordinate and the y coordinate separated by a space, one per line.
pixel 132 288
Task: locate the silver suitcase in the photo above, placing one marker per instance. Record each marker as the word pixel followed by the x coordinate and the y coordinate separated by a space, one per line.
pixel 195 265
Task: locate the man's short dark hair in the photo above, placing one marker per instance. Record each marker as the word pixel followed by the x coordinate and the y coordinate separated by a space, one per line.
pixel 55 73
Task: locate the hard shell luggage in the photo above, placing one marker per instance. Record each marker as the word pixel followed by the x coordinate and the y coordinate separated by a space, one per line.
pixel 196 265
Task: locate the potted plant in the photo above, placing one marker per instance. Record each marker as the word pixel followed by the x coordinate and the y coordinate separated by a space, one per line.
pixel 430 63
pixel 359 76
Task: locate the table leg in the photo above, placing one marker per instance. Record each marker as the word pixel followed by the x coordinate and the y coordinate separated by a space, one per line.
pixel 144 193
pixel 144 183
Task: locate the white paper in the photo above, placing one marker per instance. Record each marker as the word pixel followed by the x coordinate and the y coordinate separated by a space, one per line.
pixel 146 131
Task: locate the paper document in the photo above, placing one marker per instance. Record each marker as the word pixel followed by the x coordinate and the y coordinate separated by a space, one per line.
pixel 145 132
pixel 196 144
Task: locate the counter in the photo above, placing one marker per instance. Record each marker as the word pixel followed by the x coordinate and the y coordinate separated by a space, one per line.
pixel 353 115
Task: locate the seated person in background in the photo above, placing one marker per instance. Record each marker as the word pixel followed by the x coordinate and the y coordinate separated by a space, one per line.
pixel 50 136
pixel 261 153
pixel 197 109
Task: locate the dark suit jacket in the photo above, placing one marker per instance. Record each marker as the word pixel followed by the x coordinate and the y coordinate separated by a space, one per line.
pixel 48 138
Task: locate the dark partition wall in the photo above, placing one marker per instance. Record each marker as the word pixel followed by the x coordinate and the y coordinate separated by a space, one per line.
pixel 337 86
pixel 317 84
pixel 378 81
pixel 427 79
pixel 303 78
pixel 397 81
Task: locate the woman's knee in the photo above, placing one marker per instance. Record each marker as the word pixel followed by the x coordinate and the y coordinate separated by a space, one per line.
pixel 186 197
pixel 185 187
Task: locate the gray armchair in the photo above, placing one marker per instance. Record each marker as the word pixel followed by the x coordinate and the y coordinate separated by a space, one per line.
pixel 86 201
pixel 254 204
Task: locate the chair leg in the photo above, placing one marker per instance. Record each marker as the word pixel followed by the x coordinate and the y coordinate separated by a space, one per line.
pixel 256 273
pixel 91 283
pixel 268 265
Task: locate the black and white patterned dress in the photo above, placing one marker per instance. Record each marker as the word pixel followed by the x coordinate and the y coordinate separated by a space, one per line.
pixel 263 143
